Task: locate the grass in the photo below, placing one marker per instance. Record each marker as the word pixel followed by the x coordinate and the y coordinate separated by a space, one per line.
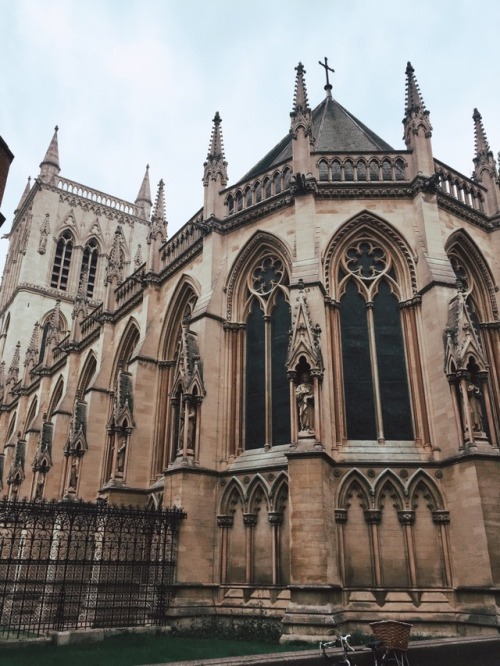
pixel 133 650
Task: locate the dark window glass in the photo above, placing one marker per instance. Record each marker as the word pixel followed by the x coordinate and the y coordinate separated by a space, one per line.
pixel 358 382
pixel 280 325
pixel 393 378
pixel 255 408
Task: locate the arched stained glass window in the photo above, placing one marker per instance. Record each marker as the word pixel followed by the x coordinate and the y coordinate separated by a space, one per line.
pixel 376 392
pixel 62 262
pixel 267 392
pixel 89 265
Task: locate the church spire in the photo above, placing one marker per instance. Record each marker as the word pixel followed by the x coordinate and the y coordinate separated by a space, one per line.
pixel 485 168
pixel 417 127
pixel 143 200
pixel 215 171
pixel 24 195
pixel 158 229
pixel 301 125
pixel 49 167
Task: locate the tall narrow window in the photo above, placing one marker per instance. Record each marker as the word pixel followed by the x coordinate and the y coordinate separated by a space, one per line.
pixel 62 261
pixel 89 265
pixel 377 399
pixel 267 403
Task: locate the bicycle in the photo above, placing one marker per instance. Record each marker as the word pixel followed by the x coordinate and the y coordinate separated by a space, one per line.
pixel 391 647
pixel 341 642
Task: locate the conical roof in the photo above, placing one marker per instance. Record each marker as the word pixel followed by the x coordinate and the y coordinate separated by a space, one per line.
pixel 335 130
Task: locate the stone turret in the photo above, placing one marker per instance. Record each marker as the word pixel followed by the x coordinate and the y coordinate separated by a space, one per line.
pixel 49 167
pixel 417 127
pixel 215 173
pixel 143 200
pixel 485 168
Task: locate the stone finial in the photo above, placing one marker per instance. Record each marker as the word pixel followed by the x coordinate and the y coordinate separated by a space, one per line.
pixel 158 226
pixel 417 126
pixel 300 102
pixel 216 165
pixel 485 167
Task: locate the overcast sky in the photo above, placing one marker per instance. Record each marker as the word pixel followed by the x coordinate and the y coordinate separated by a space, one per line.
pixel 132 82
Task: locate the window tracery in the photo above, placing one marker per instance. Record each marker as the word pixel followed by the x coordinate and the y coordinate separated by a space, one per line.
pixel 376 391
pixel 267 393
pixel 62 261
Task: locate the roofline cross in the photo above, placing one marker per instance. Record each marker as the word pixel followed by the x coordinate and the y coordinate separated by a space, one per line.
pixel 327 69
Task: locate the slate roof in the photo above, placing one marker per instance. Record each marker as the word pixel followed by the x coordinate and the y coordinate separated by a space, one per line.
pixel 335 131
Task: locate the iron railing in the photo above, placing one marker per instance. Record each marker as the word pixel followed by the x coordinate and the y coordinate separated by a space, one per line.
pixel 75 565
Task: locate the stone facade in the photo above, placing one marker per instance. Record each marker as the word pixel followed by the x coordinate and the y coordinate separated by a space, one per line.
pixel 310 367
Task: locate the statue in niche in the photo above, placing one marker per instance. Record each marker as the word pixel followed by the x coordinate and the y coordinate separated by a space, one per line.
pixel 191 415
pixel 74 473
pixel 304 395
pixel 473 403
pixel 39 486
pixel 120 454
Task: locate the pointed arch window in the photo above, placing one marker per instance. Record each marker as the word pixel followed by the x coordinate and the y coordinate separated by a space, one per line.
pixel 89 265
pixel 267 397
pixel 376 390
pixel 477 291
pixel 62 262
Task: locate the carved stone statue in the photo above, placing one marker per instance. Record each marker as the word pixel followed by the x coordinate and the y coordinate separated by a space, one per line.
pixel 74 473
pixel 474 406
pixel 304 395
pixel 120 455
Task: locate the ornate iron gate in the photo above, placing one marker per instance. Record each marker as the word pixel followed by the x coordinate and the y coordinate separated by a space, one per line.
pixel 66 565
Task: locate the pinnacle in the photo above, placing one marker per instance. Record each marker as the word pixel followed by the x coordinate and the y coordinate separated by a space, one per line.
pixel 414 101
pixel 144 194
pixel 300 102
pixel 159 208
pixel 216 148
pixel 481 142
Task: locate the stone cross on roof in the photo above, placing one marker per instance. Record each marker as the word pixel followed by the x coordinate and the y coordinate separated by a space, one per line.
pixel 328 86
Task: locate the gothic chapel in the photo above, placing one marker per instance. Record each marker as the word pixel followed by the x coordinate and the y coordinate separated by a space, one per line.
pixel 309 367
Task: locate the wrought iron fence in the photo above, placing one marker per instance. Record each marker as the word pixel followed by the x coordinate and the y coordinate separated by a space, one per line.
pixel 66 565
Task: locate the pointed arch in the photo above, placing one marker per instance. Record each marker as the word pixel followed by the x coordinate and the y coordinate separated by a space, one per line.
pixel 477 298
pixel 258 494
pixel 367 224
pixel 390 483
pixel 258 298
pixel 279 492
pixel 128 343
pixel 182 303
pixel 11 427
pixel 87 374
pixel 468 257
pixel 30 415
pixel 259 244
pixel 88 268
pixel 56 397
pixel 371 283
pixel 422 483
pixel 355 483
pixel 234 493
pixel 62 260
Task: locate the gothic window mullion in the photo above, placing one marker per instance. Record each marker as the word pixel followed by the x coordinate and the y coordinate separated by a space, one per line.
pixel 268 381
pixel 375 373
